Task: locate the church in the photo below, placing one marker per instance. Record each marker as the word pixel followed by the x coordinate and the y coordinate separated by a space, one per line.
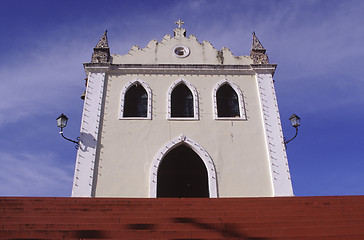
pixel 181 141
pixel 180 118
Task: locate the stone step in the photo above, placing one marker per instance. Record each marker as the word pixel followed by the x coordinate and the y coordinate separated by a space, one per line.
pixel 177 224
pixel 221 202
pixel 208 233
pixel 228 218
pixel 320 213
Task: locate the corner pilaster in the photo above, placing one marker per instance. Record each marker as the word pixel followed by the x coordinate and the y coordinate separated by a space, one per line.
pixel 89 134
pixel 276 152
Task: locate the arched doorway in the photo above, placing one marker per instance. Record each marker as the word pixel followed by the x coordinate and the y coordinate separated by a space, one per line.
pixel 182 174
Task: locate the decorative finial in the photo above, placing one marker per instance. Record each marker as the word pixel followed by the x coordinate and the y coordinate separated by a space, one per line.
pixel 179 23
pixel 182 137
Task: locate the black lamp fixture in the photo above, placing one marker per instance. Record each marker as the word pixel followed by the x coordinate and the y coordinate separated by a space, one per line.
pixel 62 123
pixel 295 121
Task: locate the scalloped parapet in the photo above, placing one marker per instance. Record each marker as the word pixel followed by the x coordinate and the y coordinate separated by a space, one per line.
pixel 180 49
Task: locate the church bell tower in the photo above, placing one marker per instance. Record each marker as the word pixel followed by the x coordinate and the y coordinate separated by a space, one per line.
pixel 180 118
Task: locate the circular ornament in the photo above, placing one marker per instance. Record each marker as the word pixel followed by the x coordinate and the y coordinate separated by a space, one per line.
pixel 181 51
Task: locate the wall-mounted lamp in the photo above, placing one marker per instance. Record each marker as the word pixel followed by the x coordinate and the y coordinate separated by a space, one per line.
pixel 295 121
pixel 62 123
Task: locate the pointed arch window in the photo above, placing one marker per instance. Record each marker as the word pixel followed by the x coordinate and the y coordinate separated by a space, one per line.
pixel 136 101
pixel 182 101
pixel 228 100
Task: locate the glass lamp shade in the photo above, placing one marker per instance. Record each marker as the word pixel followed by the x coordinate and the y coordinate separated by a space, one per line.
pixel 62 121
pixel 295 120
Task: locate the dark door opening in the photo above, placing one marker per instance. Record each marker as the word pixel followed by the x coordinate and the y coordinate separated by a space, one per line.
pixel 182 174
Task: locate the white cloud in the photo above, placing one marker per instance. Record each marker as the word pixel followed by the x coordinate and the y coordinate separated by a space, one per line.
pixel 41 174
pixel 41 79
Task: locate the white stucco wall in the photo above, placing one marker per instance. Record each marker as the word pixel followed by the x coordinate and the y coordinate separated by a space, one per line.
pixel 128 147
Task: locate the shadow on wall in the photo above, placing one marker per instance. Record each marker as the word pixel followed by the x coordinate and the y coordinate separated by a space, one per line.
pixel 88 141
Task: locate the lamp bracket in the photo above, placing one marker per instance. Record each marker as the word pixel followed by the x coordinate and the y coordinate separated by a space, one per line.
pixel 285 142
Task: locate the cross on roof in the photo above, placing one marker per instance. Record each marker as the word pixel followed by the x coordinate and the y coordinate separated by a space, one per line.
pixel 179 23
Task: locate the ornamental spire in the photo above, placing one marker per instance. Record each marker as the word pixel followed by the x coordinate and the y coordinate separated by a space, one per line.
pixel 257 52
pixel 101 51
pixel 103 43
pixel 256 45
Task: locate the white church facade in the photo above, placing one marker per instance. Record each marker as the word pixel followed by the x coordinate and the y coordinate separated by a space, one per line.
pixel 179 118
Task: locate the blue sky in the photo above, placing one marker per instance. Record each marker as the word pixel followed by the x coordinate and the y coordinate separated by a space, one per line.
pixel 318 46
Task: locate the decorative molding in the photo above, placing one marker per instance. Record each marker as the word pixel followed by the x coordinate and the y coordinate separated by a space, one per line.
pixel 182 137
pixel 179 33
pixel 186 69
pixel 122 99
pixel 205 157
pixel 195 100
pixel 240 99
